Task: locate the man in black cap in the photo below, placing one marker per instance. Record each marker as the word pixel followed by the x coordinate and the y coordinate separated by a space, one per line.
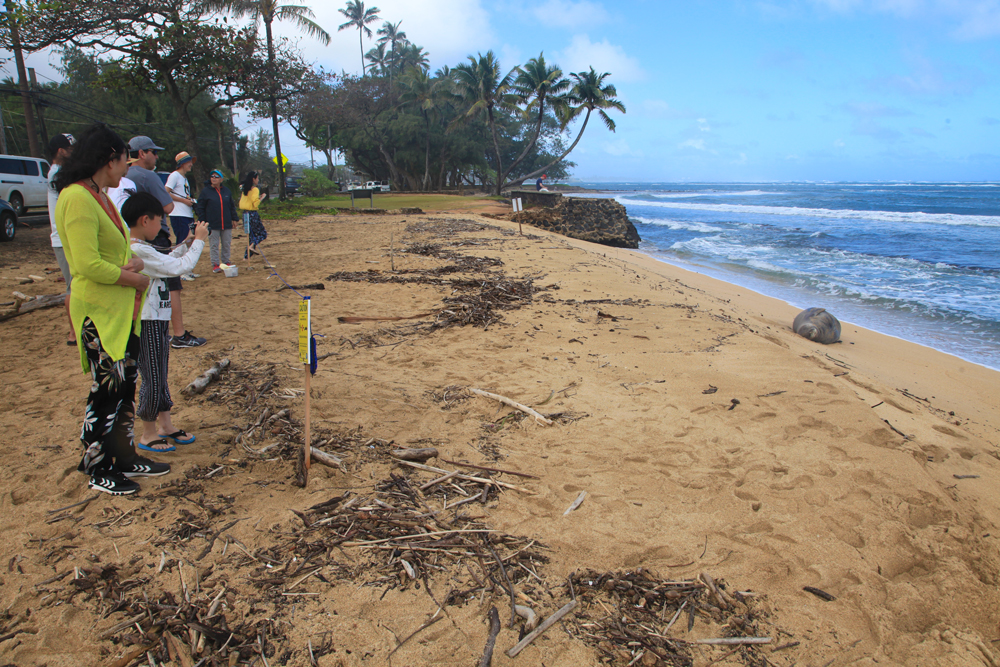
pixel 143 153
pixel 60 146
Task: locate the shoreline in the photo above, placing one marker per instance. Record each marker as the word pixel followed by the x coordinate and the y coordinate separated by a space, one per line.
pixel 707 435
pixel 957 357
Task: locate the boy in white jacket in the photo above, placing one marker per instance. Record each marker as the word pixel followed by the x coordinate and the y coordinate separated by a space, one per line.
pixel 143 212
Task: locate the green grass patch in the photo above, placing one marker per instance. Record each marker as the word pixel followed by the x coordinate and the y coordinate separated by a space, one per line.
pixel 300 207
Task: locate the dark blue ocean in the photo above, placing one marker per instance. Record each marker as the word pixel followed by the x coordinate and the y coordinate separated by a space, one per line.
pixel 919 261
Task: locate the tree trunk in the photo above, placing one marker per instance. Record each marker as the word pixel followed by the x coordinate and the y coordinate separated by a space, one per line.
pixel 22 84
pixel 427 155
pixel 559 159
pixel 218 131
pixel 361 44
pixel 496 146
pixel 187 125
pixel 531 144
pixel 274 110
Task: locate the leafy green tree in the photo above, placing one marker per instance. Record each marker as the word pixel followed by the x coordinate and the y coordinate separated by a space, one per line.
pixel 378 57
pixel 359 17
pixel 589 94
pixel 168 47
pixel 390 34
pixel 485 92
pixel 536 84
pixel 269 11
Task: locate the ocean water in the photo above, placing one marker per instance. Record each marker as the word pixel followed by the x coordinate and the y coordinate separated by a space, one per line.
pixel 919 261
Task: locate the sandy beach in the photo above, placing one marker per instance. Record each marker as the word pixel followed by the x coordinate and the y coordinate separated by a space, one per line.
pixel 708 438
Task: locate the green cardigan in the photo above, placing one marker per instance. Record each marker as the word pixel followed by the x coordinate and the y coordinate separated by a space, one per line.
pixel 95 251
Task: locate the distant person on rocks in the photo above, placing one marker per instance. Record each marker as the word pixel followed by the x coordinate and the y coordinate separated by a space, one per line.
pixel 60 146
pixel 216 207
pixel 540 184
pixel 143 213
pixel 144 153
pixel 182 217
pixel 250 203
pixel 105 304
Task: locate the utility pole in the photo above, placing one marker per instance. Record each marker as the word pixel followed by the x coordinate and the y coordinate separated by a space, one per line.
pixel 22 83
pixel 39 106
pixel 3 133
pixel 236 136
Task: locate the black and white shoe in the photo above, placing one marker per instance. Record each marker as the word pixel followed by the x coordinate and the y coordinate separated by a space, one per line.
pixel 186 340
pixel 140 466
pixel 113 482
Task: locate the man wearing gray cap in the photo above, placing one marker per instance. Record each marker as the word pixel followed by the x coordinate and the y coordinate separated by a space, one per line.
pixel 143 153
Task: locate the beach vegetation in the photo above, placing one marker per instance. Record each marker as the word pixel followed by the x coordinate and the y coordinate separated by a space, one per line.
pixel 359 17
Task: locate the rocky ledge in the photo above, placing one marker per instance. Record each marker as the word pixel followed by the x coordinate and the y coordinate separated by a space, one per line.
pixel 601 221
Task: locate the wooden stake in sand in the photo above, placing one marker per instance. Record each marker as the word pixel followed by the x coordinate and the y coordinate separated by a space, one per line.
pixel 305 357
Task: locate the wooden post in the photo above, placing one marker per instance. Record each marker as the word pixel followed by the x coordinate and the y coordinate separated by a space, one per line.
pixel 308 434
pixel 305 357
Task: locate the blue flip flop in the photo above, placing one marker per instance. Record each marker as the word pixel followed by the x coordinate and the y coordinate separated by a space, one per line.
pixel 159 441
pixel 180 437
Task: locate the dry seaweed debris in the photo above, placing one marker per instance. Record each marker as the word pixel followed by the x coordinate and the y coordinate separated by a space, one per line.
pixel 410 534
pixel 628 617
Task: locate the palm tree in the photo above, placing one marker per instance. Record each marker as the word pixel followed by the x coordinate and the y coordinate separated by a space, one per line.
pixel 378 57
pixel 536 84
pixel 591 94
pixel 390 34
pixel 270 11
pixel 359 17
pixel 410 55
pixel 480 84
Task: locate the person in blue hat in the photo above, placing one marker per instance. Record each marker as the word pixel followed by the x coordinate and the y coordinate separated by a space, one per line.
pixel 216 207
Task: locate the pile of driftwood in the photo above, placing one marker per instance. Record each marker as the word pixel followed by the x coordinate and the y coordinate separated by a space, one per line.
pixel 190 628
pixel 636 617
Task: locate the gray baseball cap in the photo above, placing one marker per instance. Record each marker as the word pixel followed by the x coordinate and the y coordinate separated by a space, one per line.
pixel 143 144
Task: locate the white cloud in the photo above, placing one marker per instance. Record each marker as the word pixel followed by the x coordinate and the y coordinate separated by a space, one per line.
pixel 697 144
pixel 620 148
pixel 449 30
pixel 969 19
pixel 570 15
pixel 703 125
pixel 603 56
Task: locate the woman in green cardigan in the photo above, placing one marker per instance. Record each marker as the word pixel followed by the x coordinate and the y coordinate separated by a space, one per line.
pixel 104 306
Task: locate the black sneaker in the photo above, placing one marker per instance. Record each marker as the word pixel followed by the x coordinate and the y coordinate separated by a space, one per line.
pixel 140 466
pixel 113 482
pixel 186 340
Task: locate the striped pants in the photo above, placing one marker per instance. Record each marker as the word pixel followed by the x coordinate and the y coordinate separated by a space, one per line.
pixel 154 356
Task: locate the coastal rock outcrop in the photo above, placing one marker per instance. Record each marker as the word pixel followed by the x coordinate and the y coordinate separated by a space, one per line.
pixel 601 221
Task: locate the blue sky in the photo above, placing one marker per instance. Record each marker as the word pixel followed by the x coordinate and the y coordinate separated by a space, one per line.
pixel 737 90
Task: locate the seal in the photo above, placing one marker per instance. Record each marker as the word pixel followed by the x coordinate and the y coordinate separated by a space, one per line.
pixel 818 325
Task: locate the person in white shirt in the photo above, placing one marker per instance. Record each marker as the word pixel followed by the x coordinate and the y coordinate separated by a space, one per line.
pixel 60 146
pixel 143 214
pixel 182 217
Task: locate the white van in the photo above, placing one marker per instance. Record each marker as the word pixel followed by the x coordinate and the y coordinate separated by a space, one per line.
pixel 24 182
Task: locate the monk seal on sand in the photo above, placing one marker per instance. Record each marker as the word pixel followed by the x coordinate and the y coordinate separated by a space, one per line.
pixel 818 325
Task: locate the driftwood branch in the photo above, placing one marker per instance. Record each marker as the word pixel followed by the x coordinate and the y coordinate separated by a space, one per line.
pixel 487 469
pixel 546 624
pixel 420 455
pixel 576 503
pixel 23 306
pixel 492 639
pixel 203 381
pixel 539 417
pixel 326 459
